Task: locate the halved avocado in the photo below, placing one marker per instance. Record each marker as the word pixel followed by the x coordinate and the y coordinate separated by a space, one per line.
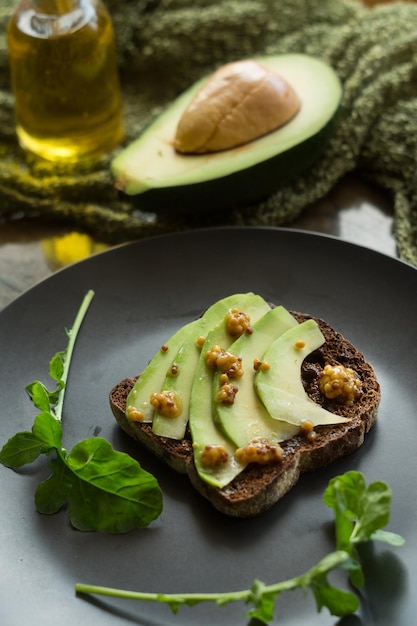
pixel 168 182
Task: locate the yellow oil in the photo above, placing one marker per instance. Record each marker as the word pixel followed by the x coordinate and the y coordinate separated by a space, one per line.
pixel 65 80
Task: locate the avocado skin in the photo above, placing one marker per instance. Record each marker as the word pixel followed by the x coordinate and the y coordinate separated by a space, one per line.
pixel 240 189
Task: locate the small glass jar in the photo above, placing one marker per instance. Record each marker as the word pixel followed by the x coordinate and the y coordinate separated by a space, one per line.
pixel 64 78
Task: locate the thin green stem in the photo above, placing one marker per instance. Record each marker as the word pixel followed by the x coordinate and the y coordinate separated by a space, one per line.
pixel 328 563
pixel 68 353
pixel 169 598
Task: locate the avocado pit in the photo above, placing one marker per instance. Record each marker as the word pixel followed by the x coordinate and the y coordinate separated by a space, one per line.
pixel 241 102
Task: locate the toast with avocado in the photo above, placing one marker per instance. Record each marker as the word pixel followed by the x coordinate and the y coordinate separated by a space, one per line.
pixel 248 397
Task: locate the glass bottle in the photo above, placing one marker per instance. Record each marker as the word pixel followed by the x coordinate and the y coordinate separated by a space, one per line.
pixel 64 78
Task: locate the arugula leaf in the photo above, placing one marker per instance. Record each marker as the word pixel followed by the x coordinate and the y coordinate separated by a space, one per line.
pixel 364 509
pixel 373 512
pixel 53 493
pixel 47 428
pixel 343 494
pixel 360 513
pixel 105 490
pixel 56 366
pixel 392 539
pixel 21 449
pixel 264 602
pixel 338 601
pixel 39 395
pixel 110 491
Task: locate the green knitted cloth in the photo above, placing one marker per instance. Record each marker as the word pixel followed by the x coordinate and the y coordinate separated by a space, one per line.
pixel 164 45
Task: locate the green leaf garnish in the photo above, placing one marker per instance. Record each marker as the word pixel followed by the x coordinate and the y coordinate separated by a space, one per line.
pixel 105 490
pixel 110 491
pixel 20 450
pixel 360 514
pixel 338 601
pixel 47 428
pixel 52 494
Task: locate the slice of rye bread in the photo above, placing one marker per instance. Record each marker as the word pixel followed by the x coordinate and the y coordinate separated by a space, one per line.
pixel 259 487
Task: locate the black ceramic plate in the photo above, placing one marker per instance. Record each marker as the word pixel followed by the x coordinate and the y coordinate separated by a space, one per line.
pixel 144 291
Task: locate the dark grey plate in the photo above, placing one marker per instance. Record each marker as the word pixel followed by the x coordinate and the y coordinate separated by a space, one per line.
pixel 144 291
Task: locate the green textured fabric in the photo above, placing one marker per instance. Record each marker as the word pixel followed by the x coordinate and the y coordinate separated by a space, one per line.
pixel 164 45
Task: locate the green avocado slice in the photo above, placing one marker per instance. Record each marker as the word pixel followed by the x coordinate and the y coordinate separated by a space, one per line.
pixel 247 418
pixel 168 182
pixel 203 429
pixel 281 388
pixel 186 360
pixel 153 376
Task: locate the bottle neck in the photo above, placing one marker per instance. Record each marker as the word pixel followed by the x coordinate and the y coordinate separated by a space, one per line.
pixel 53 18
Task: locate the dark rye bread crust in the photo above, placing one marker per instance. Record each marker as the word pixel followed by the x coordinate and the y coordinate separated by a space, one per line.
pixel 257 488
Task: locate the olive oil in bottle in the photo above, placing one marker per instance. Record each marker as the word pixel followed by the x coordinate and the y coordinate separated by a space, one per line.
pixel 64 79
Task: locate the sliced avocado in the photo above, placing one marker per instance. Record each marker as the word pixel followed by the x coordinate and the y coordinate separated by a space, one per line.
pixel 204 431
pixel 168 182
pixel 281 388
pixel 153 376
pixel 186 361
pixel 179 383
pixel 247 418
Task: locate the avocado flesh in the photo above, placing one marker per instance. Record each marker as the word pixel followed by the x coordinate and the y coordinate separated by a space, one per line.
pixel 247 418
pixel 203 429
pixel 166 180
pixel 179 384
pixel 186 360
pixel 153 377
pixel 280 387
